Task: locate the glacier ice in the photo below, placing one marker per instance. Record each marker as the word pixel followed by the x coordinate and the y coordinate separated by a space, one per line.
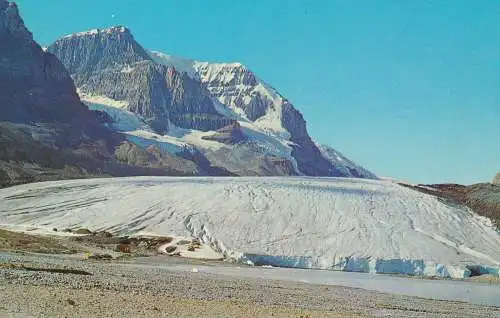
pixel 373 226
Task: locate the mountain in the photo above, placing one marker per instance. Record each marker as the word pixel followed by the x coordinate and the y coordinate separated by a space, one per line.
pixel 46 132
pixel 359 225
pixel 184 105
pixel 238 87
pixel 111 63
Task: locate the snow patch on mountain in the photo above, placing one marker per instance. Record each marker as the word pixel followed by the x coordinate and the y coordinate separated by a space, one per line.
pixel 119 29
pixel 323 223
pixel 272 120
pixel 233 113
pixel 221 72
pixel 123 120
pixel 132 125
pixel 343 164
pixel 180 64
pixel 272 144
pixel 128 69
pixel 102 100
pixel 191 137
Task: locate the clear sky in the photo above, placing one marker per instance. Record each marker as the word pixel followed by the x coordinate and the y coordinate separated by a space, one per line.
pixel 408 89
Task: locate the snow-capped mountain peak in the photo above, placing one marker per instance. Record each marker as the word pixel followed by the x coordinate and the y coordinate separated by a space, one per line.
pixel 110 30
pixel 201 98
pixel 226 73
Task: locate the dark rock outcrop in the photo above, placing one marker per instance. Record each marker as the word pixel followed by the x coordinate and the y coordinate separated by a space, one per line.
pixel 155 158
pixel 230 135
pixel 310 161
pixel 248 159
pixel 206 165
pixel 45 130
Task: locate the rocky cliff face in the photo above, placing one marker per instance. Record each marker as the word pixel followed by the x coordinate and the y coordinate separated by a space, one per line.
pixel 310 161
pixel 45 130
pixel 36 88
pixel 154 158
pixel 171 117
pixel 112 64
pixel 34 85
pixel 89 52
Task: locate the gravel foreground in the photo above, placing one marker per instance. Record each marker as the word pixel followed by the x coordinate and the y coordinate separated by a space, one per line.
pixel 28 288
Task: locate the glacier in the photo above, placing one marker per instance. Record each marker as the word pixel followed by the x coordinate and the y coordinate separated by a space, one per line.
pixel 357 225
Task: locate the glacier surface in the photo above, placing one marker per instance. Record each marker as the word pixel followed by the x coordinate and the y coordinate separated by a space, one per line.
pixel 373 226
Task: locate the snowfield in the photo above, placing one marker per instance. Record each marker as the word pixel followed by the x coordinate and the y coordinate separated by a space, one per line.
pixel 357 225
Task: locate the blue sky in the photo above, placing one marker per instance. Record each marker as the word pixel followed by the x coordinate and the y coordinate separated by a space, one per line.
pixel 409 89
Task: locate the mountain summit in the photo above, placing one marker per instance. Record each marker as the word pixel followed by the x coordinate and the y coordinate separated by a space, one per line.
pixel 111 63
pixel 177 104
